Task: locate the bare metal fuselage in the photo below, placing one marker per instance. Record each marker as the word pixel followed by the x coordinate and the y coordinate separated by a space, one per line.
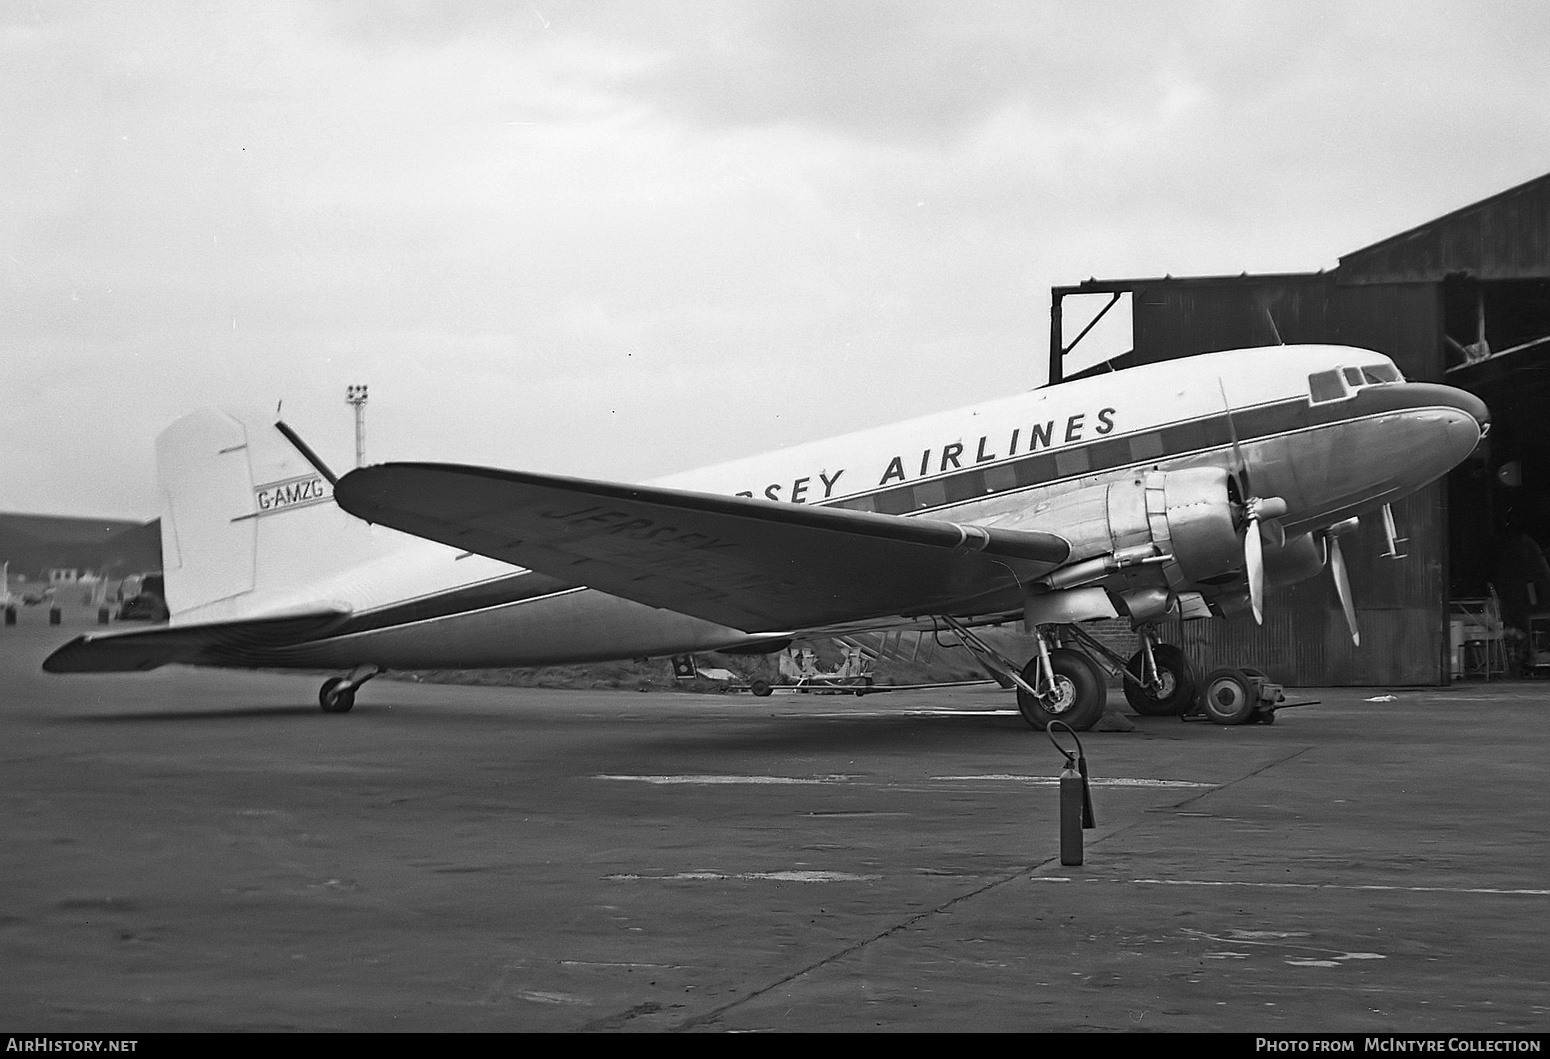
pixel 1328 461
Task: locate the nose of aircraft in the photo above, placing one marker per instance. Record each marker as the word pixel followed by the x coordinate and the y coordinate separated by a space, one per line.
pixel 1464 435
pixel 1467 402
pixel 1450 423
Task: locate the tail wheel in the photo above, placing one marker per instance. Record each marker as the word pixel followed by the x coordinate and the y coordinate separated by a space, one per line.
pixel 1077 698
pixel 1178 683
pixel 336 696
pixel 1230 696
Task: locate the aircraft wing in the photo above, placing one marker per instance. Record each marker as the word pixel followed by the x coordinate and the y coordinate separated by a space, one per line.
pixel 222 643
pixel 749 564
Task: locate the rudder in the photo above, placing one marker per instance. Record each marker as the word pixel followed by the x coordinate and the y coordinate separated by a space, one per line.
pixel 248 525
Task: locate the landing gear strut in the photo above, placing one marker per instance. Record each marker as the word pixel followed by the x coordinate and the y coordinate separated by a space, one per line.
pixel 1059 684
pixel 1074 693
pixel 337 695
pixel 1158 679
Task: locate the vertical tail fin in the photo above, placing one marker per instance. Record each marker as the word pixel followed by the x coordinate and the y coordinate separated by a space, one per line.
pixel 248 525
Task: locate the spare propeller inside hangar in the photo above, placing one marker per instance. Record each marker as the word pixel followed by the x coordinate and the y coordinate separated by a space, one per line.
pixel 1462 299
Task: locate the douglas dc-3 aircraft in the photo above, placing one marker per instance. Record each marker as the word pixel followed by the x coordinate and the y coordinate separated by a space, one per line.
pixel 1180 488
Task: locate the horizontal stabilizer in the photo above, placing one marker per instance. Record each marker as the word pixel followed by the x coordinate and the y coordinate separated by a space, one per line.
pixel 748 564
pixel 214 643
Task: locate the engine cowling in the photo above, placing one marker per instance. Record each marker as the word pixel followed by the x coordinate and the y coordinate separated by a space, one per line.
pixel 1297 559
pixel 1188 515
pixel 1184 514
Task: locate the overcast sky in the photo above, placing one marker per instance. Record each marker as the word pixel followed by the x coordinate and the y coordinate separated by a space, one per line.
pixel 623 239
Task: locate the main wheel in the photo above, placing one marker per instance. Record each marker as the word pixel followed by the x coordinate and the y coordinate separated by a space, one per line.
pixel 1230 696
pixel 760 688
pixel 335 696
pixel 1178 683
pixel 1077 698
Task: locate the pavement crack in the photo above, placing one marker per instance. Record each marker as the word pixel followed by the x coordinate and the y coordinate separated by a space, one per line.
pixel 855 947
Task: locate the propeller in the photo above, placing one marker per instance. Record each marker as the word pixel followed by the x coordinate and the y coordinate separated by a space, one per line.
pixel 1256 509
pixel 1240 472
pixel 1342 580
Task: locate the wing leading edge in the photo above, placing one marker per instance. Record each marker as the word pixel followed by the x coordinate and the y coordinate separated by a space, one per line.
pixel 749 564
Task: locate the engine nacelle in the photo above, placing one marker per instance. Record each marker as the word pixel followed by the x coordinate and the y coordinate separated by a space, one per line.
pixel 1298 559
pixel 1184 514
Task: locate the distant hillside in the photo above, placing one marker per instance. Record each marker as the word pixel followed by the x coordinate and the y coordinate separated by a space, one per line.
pixel 35 544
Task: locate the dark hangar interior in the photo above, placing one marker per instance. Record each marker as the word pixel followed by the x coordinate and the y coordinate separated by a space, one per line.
pixel 1463 299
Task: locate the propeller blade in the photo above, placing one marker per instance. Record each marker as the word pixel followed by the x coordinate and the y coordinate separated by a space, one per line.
pixel 1256 509
pixel 1343 588
pixel 1240 466
pixel 1254 566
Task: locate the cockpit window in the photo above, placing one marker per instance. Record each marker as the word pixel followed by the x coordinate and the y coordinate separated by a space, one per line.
pixel 1327 386
pixel 1340 383
pixel 1377 373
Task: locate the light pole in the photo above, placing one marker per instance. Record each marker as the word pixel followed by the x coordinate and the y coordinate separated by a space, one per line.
pixel 355 397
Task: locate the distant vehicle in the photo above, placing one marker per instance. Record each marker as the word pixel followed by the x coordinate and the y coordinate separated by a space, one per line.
pixel 143 597
pixel 33 596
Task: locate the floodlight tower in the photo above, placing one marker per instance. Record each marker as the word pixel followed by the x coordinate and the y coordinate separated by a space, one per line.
pixel 355 397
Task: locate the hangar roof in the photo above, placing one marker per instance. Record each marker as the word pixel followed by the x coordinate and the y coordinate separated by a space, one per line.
pixel 1506 236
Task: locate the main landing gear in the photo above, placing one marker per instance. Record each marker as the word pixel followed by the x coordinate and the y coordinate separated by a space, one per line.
pixel 1061 684
pixel 337 695
pixel 1158 679
pixel 1058 684
pixel 1164 681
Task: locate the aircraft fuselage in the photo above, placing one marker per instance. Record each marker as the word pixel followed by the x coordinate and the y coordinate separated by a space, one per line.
pixel 1330 430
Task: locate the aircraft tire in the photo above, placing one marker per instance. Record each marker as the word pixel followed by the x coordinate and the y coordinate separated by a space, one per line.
pixel 1179 684
pixel 760 688
pixel 1230 696
pixel 334 697
pixel 1079 696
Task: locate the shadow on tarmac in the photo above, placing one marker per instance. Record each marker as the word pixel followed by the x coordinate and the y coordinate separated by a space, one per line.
pixel 138 716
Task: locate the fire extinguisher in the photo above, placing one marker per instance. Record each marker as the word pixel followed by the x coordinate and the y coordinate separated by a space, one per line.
pixel 1076 803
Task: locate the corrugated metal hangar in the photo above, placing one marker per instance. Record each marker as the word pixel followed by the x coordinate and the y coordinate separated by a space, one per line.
pixel 1463 299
